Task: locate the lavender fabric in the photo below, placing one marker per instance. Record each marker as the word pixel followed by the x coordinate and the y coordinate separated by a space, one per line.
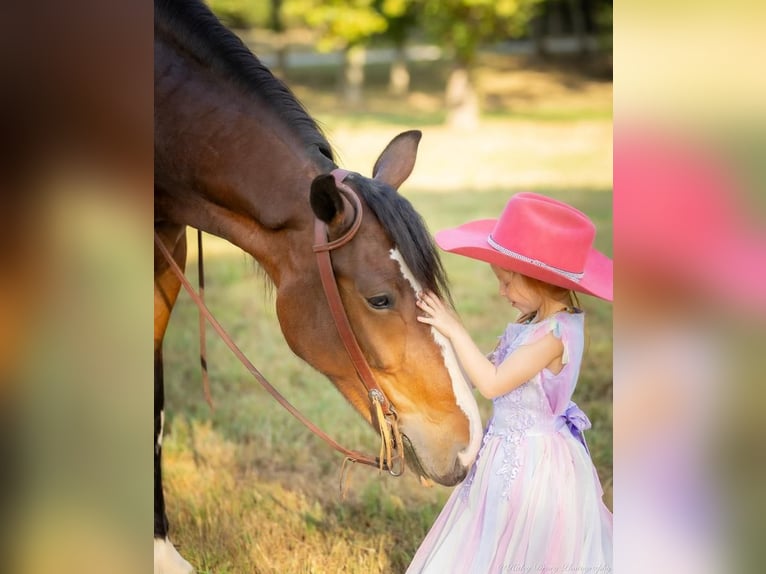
pixel 532 501
pixel 576 421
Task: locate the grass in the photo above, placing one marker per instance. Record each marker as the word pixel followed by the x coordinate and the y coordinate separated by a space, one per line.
pixel 248 489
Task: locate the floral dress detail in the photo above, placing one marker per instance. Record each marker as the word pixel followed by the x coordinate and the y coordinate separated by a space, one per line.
pixel 532 500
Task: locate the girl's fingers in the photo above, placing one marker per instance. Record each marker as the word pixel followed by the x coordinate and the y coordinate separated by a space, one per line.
pixel 430 303
pixel 423 305
pixel 431 299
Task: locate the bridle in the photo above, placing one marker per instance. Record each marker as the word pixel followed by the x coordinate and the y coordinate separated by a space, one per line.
pixel 382 412
pixel 381 409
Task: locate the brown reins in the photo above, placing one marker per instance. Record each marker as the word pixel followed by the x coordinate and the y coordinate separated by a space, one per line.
pixel 391 457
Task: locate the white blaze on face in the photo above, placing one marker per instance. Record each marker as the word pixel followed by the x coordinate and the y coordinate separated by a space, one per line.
pixel 460 387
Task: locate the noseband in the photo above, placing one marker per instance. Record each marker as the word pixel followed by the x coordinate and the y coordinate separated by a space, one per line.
pixel 382 411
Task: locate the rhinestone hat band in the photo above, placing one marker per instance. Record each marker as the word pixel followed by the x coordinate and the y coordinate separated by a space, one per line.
pixel 568 274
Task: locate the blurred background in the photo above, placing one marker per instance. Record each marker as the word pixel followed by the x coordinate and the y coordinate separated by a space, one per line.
pixel 510 96
pixel 690 272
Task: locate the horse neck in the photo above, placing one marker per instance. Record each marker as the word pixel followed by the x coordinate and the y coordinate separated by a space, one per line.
pixel 225 164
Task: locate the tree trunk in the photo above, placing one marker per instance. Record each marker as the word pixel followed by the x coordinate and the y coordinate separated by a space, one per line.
pixel 461 98
pixel 539 30
pixel 277 26
pixel 576 11
pixel 280 64
pixel 352 80
pixel 399 75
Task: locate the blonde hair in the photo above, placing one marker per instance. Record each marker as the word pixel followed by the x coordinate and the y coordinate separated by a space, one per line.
pixel 566 296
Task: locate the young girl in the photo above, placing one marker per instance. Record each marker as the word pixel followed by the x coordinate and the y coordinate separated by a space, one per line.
pixel 532 500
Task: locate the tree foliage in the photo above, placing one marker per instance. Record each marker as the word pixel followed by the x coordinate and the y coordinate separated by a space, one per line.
pixel 401 16
pixel 461 24
pixel 465 24
pixel 340 23
pixel 241 13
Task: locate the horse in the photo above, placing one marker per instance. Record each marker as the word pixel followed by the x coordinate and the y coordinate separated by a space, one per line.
pixel 238 156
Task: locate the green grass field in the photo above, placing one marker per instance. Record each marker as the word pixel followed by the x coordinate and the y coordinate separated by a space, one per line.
pixel 248 489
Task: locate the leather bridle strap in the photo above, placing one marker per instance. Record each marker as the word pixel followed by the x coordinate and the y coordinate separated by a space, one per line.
pixel 202 322
pixel 322 248
pixel 352 455
pixel 381 410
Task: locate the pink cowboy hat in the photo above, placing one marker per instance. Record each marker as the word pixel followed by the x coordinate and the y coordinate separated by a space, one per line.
pixel 539 237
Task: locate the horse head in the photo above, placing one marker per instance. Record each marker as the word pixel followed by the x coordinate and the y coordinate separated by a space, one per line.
pixel 379 273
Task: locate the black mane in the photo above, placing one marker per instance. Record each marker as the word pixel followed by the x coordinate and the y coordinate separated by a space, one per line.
pixel 206 39
pixel 407 230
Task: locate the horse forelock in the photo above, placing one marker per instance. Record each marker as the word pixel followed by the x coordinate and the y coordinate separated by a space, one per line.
pixel 408 232
pixel 198 31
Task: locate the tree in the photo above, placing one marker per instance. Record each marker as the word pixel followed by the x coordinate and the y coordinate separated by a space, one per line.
pixel 342 24
pixel 401 18
pixel 277 25
pixel 463 25
pixel 241 14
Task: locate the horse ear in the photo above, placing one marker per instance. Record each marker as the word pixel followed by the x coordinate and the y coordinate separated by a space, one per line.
pixel 326 201
pixel 396 162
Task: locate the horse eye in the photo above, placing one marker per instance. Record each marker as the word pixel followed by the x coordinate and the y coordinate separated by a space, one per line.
pixel 380 302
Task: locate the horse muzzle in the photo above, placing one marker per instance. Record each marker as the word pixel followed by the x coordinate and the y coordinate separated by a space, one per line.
pixel 450 475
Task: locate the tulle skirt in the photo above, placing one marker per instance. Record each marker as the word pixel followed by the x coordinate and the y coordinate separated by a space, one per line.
pixel 535 507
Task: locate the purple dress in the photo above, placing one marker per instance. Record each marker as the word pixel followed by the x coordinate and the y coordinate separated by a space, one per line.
pixel 532 502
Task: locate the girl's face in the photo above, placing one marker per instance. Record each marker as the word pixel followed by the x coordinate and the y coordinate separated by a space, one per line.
pixel 514 288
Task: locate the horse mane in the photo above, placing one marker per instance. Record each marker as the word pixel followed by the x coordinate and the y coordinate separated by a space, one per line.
pixel 408 232
pixel 203 36
pixel 199 32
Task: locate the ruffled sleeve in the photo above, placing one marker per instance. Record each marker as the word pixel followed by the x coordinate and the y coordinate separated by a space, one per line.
pixel 506 343
pixel 558 387
pixel 537 331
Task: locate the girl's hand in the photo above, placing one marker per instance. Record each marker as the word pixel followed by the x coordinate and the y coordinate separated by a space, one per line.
pixel 438 315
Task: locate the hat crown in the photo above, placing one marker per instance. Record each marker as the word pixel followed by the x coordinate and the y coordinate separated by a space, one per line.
pixel 545 230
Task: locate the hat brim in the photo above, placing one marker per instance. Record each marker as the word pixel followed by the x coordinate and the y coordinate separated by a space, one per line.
pixel 470 240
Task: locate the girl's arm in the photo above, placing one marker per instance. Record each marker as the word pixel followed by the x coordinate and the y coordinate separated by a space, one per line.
pixel 519 367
